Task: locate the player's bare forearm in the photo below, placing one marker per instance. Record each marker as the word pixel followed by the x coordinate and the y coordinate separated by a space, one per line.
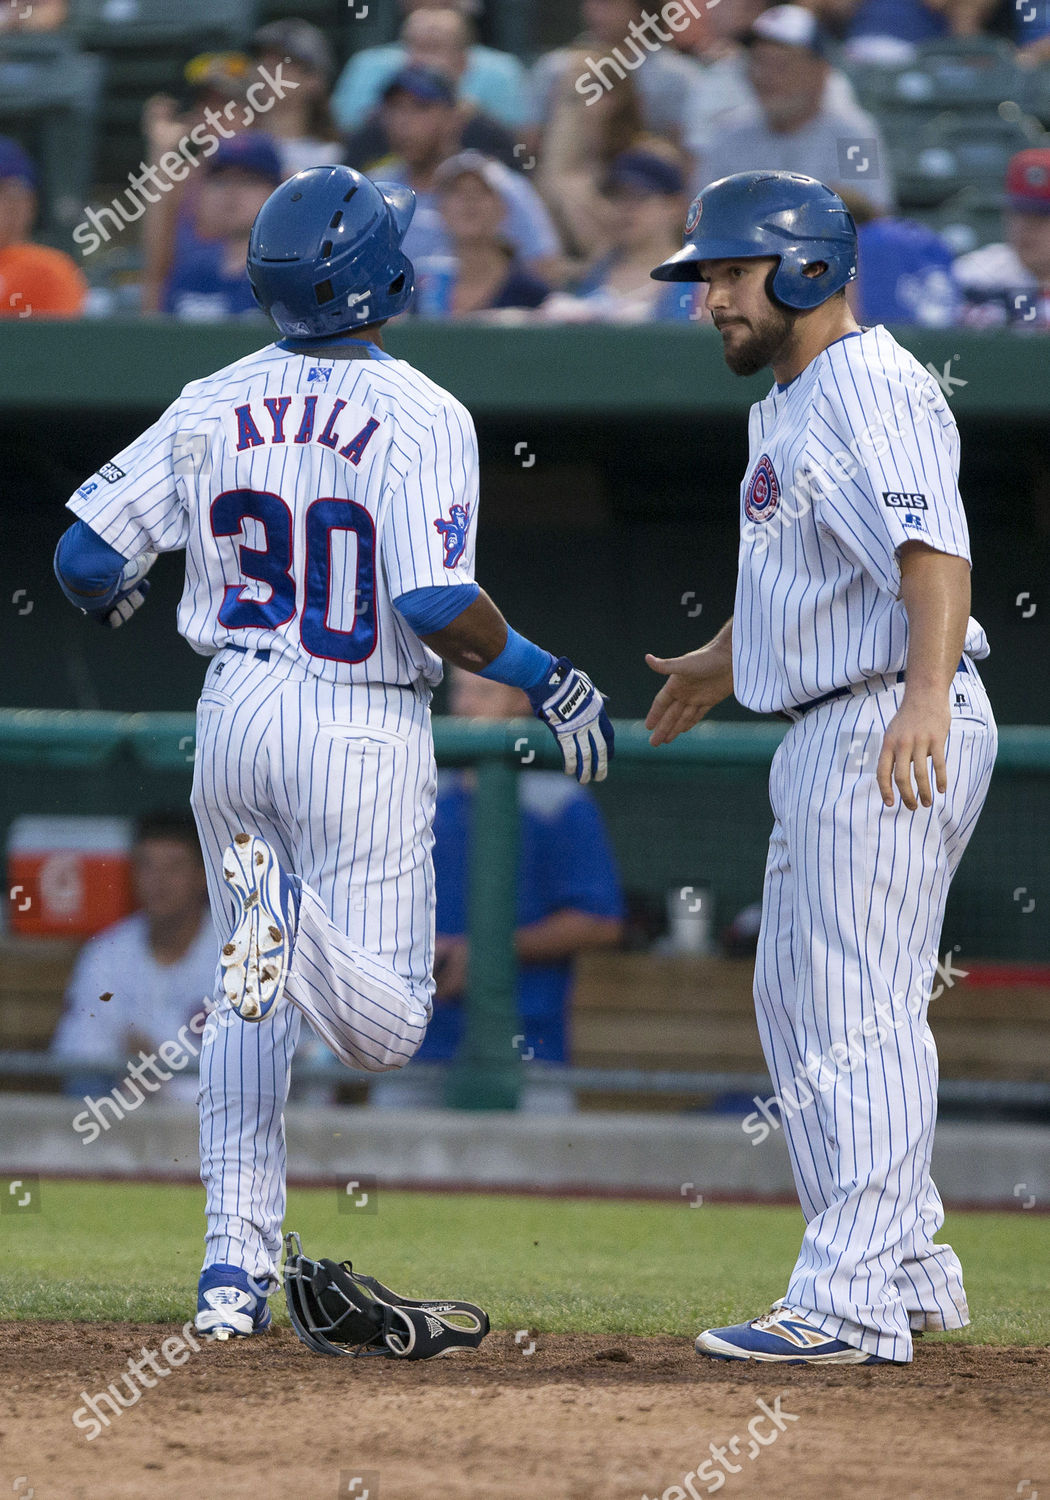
pixel 935 591
pixel 563 934
pixel 695 683
pixel 474 638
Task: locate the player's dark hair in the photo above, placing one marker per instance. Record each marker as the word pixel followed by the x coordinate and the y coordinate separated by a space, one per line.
pixel 168 823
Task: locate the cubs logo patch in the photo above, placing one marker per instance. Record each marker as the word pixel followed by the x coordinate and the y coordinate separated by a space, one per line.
pixel 692 218
pixel 454 533
pixel 763 491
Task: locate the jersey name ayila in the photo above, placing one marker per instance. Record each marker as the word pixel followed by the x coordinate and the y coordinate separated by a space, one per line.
pixel 304 419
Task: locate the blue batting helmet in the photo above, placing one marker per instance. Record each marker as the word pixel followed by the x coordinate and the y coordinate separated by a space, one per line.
pixel 755 214
pixel 325 252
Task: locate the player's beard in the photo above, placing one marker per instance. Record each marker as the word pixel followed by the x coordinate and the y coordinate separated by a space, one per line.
pixel 763 343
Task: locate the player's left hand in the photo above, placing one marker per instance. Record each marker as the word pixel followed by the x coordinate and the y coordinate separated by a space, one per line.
pixel 915 735
pixel 572 707
pixel 131 595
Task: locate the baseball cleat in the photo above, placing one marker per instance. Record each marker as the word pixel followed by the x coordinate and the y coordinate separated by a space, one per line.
pixel 782 1336
pixel 230 1304
pixel 256 957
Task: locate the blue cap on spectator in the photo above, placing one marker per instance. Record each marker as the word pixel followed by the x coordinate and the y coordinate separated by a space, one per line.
pixel 426 84
pixel 15 163
pixel 644 171
pixel 251 152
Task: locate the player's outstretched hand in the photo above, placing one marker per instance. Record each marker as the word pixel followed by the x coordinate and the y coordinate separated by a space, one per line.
pixel 131 595
pixel 695 683
pixel 570 704
pixel 917 734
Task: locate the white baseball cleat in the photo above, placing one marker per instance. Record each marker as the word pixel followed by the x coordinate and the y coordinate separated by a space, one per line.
pixel 256 957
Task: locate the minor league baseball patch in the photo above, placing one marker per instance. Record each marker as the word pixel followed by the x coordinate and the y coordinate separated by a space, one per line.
pixel 110 473
pixel 762 495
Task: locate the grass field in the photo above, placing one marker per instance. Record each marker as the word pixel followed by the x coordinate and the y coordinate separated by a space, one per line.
pixel 113 1251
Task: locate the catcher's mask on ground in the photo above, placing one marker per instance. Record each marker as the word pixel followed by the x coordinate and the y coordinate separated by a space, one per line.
pixel 335 1310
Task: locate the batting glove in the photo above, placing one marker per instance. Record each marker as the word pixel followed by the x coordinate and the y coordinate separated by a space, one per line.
pixel 572 707
pixel 130 596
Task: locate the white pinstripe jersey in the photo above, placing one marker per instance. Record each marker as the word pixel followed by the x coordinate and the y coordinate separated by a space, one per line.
pixel 309 493
pixel 856 456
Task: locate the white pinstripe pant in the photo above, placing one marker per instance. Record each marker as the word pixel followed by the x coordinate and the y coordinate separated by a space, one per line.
pixel 341 782
pixel 852 911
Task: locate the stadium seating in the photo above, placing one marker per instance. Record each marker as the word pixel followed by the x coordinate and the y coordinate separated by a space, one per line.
pixel 967 220
pixel 956 151
pixel 49 100
pixel 635 1010
pixel 103 25
pixel 147 43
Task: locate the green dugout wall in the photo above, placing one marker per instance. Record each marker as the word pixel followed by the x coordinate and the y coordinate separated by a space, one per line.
pixel 611 460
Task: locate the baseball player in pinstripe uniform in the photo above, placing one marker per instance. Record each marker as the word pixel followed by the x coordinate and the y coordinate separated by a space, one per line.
pixel 852 620
pixel 326 497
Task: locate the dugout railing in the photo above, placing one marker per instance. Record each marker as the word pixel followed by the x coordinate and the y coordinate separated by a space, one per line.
pixel 488 1073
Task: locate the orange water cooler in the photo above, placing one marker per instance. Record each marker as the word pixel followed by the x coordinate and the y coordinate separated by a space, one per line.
pixel 67 876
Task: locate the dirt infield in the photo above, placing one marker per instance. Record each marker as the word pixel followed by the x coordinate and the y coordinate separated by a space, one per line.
pixel 555 1417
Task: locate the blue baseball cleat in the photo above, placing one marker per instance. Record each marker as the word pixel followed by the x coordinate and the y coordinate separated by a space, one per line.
pixel 230 1304
pixel 782 1336
pixel 255 960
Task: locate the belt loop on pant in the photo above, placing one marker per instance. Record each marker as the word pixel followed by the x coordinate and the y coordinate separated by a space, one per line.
pixel 261 654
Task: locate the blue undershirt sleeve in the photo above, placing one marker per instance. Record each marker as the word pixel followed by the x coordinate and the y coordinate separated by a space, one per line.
pixel 431 609
pixel 87 568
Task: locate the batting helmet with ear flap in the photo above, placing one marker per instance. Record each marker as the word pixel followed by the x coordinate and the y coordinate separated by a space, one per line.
pixel 325 253
pixel 752 215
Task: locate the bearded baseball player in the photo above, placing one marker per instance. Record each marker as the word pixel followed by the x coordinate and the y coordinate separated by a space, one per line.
pixel 326 496
pixel 852 621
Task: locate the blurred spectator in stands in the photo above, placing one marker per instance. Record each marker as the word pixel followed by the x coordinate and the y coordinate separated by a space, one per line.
pixel 135 984
pixel 473 129
pixel 423 127
pixel 481 273
pixel 35 281
pixel 210 282
pixel 905 271
pixel 617 43
pixel 303 131
pixel 300 120
pixel 888 31
pixel 493 81
pixel 581 143
pixel 40 15
pixel 790 126
pixel 716 42
pixel 644 194
pixel 569 900
pixel 1009 283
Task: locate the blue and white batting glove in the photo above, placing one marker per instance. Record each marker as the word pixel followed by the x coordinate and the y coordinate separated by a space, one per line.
pixel 131 594
pixel 574 710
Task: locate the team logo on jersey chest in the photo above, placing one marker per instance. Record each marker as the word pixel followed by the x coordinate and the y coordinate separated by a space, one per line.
pixel 762 495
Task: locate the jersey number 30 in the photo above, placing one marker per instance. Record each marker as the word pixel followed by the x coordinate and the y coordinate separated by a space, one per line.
pixel 271 566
